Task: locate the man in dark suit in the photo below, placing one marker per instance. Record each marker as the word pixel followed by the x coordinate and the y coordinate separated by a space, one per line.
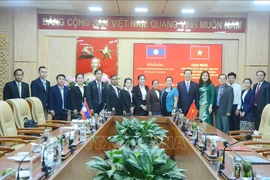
pixel 224 104
pixel 16 88
pixel 113 98
pixel 188 92
pixel 40 89
pixel 262 96
pixel 96 93
pixel 59 99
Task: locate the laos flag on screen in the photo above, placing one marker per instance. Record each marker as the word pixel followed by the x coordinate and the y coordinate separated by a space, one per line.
pixel 155 52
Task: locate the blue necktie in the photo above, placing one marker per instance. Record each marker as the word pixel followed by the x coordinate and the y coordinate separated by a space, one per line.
pixel 219 94
pixel 99 94
pixel 187 87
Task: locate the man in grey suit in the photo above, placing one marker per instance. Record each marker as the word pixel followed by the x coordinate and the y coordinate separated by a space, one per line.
pixel 224 104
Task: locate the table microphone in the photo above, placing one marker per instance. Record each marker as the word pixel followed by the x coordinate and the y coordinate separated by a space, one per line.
pixel 44 168
pixel 221 166
pixel 44 138
pixel 226 144
pixel 65 111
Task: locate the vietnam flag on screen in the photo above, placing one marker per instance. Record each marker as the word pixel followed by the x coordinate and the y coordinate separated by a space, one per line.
pixel 200 52
pixel 85 111
pixel 192 112
pixel 155 52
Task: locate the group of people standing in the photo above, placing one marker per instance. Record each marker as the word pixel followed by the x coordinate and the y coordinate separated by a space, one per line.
pixel 233 107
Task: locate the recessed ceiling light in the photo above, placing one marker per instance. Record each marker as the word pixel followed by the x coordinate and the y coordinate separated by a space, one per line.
pixel 141 9
pixel 188 11
pixel 261 2
pixel 95 8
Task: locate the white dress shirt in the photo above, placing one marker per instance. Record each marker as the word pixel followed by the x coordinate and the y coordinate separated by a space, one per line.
pixel 81 88
pixel 19 85
pixel 129 91
pixel 157 93
pixel 244 95
pixel 144 93
pixel 237 91
pixel 62 95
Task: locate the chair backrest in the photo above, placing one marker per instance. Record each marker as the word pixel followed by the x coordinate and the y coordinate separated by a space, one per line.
pixel 20 110
pixel 36 108
pixel 7 124
pixel 264 118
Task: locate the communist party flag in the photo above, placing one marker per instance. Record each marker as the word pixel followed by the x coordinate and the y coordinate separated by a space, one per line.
pixel 192 112
pixel 199 52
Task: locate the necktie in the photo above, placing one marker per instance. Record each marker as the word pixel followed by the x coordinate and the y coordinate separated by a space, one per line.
pixel 187 87
pixel 116 92
pixel 99 94
pixel 219 94
pixel 44 84
pixel 62 94
pixel 19 89
pixel 257 93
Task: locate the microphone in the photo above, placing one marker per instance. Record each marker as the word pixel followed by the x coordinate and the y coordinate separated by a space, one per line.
pixel 44 168
pixel 226 144
pixel 221 166
pixel 19 167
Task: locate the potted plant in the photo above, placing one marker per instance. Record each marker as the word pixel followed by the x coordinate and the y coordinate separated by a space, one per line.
pixel 141 164
pixel 134 132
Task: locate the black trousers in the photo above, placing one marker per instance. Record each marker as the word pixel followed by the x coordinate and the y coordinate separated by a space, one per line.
pixel 257 115
pixel 234 120
pixel 60 116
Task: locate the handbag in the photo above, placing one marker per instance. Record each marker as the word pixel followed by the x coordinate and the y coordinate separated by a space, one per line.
pixel 29 123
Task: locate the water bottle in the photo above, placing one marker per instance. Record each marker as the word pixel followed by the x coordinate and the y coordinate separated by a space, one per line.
pixel 47 133
pixel 57 153
pixel 113 111
pixel 83 131
pixel 93 124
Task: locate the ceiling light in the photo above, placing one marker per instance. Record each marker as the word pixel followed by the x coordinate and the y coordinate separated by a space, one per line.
pixel 141 9
pixel 95 8
pixel 261 2
pixel 188 10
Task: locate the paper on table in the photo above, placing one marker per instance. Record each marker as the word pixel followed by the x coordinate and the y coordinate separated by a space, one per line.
pixel 256 160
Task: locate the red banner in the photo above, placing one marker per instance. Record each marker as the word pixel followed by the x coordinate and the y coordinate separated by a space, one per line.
pixel 153 24
pixel 96 52
pixel 157 61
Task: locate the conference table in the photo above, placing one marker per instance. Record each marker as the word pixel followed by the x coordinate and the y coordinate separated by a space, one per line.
pixel 178 147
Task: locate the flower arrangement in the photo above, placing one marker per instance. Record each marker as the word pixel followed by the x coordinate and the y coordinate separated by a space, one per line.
pixel 71 81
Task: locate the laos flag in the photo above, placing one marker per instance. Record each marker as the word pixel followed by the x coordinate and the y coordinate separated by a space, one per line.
pixel 155 52
pixel 85 111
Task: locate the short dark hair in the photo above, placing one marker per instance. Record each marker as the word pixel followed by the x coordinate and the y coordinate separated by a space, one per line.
pixel 127 79
pixel 168 78
pixel 96 71
pixel 261 71
pixel 60 75
pixel 232 74
pixel 17 71
pixel 248 80
pixel 141 75
pixel 187 70
pixel 41 67
pixel 114 75
pixel 222 75
pixel 154 81
pixel 78 75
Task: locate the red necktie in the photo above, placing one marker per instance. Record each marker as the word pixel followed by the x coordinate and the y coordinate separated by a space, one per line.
pixel 257 93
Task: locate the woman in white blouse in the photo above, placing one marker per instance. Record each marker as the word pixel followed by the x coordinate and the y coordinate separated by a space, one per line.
pixel 246 111
pixel 139 97
pixel 126 98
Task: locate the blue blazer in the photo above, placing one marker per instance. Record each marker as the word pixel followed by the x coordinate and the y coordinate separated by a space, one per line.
pixel 37 90
pixel 170 98
pixel 247 106
pixel 55 99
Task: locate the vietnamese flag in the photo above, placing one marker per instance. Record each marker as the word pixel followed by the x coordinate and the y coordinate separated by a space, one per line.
pixel 200 52
pixel 85 111
pixel 192 112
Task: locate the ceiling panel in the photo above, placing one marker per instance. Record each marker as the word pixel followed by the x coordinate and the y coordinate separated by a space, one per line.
pixel 239 6
pixel 51 4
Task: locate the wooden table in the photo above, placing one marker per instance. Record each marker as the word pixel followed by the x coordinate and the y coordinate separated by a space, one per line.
pixel 178 147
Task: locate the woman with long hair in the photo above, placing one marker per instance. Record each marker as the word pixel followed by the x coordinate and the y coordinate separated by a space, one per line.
pixel 207 97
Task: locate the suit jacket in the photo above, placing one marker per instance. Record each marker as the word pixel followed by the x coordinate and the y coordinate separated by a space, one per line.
pixel 92 95
pixel 137 98
pixel 186 98
pixel 55 99
pixel 76 97
pixel 170 98
pixel 263 96
pixel 226 100
pixel 11 90
pixel 247 104
pixel 126 100
pixel 152 101
pixel 113 101
pixel 38 90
